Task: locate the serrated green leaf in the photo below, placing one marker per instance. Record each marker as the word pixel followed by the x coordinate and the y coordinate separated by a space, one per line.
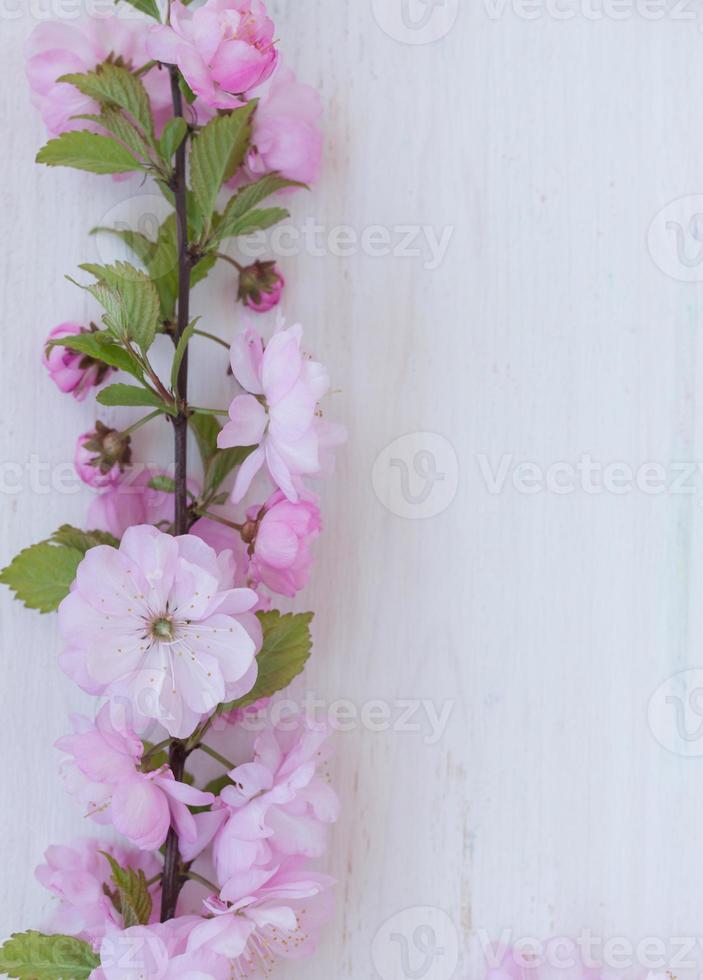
pixel 148 7
pixel 88 151
pixel 41 576
pixel 112 85
pixel 257 220
pixel 103 348
pixel 173 135
pixel 285 651
pixel 202 269
pixel 116 123
pixel 142 246
pixel 247 199
pixel 34 956
pixel 73 537
pixel 216 153
pixel 131 396
pixel 131 899
pixel 130 300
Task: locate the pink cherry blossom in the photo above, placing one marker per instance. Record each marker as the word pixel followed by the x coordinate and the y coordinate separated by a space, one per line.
pixel 278 413
pixel 76 875
pixel 286 134
pixel 157 622
pixel 265 915
pixel 159 951
pixel 72 373
pixel 55 49
pixel 132 501
pixel 283 532
pixel 278 804
pixel 224 49
pixel 104 770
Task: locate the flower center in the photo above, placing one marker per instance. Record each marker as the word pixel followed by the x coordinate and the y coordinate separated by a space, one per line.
pixel 163 629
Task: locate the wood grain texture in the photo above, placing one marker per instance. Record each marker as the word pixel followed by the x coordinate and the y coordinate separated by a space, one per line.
pixel 548 333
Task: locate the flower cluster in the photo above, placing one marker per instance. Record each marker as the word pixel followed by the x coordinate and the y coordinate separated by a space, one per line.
pixel 168 616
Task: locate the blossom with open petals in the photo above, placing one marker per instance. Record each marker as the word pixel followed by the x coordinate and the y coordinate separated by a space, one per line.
pixel 156 621
pixel 278 413
pixel 104 770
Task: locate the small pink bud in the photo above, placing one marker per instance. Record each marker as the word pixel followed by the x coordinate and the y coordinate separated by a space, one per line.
pixel 72 372
pixel 261 286
pixel 102 456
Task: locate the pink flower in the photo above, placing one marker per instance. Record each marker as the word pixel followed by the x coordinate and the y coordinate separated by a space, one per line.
pixel 261 286
pixel 159 952
pixel 104 771
pixel 72 373
pixel 224 49
pixel 281 557
pixel 132 501
pixel 268 914
pixel 102 456
pixel 286 134
pixel 77 876
pixel 278 416
pixel 278 804
pixel 55 49
pixel 156 621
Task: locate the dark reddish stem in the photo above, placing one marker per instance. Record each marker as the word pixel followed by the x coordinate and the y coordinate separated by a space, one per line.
pixel 173 879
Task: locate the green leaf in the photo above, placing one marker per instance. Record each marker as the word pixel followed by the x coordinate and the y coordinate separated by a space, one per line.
pixel 131 396
pixel 247 199
pixel 112 85
pixel 41 576
pixel 163 266
pixel 163 483
pixel 285 651
pixel 142 246
pixel 83 541
pixel 258 220
pixel 130 299
pixel 173 135
pixel 216 153
pixel 202 269
pixel 117 123
pixel 88 151
pixel 34 956
pixel 103 348
pixel 217 463
pixel 148 7
pixel 131 898
pixel 181 351
pixel 222 464
pixel 206 429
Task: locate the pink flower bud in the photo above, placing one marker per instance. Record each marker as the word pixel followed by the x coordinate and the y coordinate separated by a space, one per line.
pixel 73 373
pixel 102 456
pixel 224 48
pixel 281 556
pixel 261 286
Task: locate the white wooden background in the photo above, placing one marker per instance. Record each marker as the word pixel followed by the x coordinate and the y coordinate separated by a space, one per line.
pixel 548 333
